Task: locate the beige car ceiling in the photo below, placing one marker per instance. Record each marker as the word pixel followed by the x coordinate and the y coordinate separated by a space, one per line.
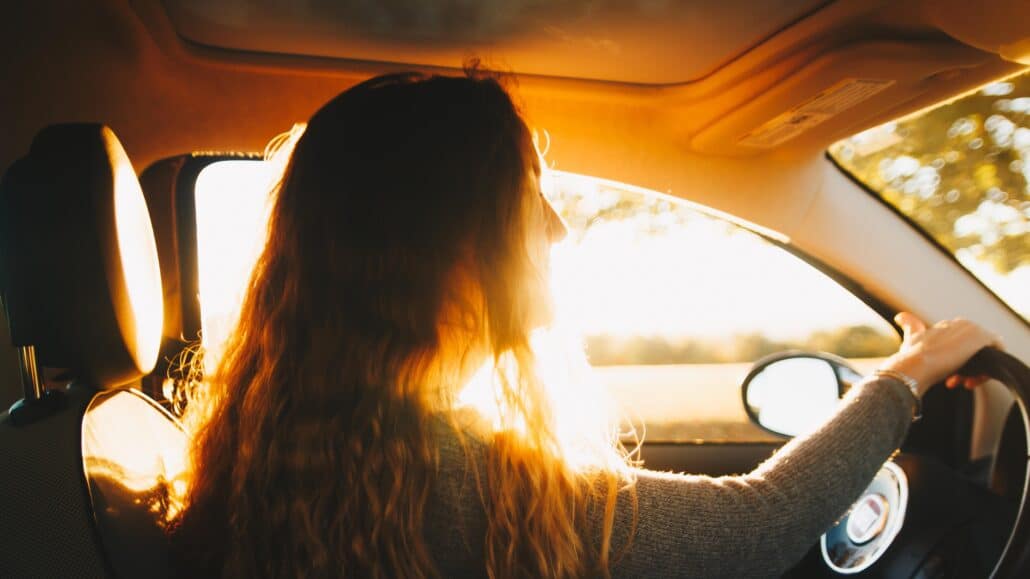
pixel 710 78
pixel 629 41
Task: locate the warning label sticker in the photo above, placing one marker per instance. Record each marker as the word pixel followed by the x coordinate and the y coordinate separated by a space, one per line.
pixel 832 101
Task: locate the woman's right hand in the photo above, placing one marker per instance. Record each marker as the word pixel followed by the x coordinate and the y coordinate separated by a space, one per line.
pixel 934 354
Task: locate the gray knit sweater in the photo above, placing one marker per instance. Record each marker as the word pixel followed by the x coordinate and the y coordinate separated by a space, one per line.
pixel 753 525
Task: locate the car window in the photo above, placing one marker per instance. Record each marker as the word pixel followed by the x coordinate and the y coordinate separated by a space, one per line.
pixel 672 305
pixel 961 172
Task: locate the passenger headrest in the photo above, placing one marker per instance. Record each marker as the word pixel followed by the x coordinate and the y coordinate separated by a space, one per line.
pixel 78 264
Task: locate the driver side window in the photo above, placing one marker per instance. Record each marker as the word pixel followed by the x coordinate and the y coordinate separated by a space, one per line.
pixel 672 305
pixel 675 305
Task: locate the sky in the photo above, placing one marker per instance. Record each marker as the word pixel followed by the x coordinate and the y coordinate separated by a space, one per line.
pixel 697 281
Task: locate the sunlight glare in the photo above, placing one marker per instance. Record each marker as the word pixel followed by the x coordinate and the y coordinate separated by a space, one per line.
pixel 708 279
pixel 155 451
pixel 233 203
pixel 584 414
pixel 140 268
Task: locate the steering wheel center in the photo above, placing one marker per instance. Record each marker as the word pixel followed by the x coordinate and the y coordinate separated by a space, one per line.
pixel 868 518
pixel 863 535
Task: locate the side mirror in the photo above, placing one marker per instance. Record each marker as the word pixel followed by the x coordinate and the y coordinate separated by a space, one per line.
pixel 792 392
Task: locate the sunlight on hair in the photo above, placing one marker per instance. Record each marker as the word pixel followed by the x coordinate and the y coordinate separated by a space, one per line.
pixel 542 144
pixel 586 421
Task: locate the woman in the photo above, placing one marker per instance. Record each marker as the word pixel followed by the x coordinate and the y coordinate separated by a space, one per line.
pixel 407 246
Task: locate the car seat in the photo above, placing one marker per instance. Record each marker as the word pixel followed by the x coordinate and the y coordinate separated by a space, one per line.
pixel 86 461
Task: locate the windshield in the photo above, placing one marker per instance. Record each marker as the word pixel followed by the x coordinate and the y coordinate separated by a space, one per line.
pixel 960 171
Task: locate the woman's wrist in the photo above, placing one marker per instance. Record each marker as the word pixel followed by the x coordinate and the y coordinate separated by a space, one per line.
pixel 911 365
pixel 908 382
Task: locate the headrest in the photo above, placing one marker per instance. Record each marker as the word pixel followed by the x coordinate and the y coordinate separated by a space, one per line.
pixel 78 264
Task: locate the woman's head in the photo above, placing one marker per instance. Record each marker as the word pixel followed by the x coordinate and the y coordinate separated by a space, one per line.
pixel 412 202
pixel 407 244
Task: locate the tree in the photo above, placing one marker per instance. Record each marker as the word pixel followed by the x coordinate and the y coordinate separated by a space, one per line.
pixel 958 170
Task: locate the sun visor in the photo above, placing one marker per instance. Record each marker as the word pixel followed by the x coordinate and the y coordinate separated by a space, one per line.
pixel 998 26
pixel 842 92
pixel 81 280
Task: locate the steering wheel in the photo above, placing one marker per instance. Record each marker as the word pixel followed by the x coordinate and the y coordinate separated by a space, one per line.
pixel 869 528
pixel 1010 371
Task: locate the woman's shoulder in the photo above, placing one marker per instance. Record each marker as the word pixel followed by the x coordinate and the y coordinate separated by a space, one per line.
pixel 461 438
pixel 455 520
pixel 460 428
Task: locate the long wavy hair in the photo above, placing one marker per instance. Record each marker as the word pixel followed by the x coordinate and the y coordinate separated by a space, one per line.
pixel 397 254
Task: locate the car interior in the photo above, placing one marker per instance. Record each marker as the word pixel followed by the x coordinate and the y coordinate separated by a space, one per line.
pixel 124 117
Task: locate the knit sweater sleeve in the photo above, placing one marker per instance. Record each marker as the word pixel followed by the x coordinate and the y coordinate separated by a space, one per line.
pixel 752 525
pixel 761 523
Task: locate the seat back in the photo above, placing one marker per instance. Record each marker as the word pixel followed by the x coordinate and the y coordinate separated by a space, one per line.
pixel 46 523
pixel 80 285
pixel 132 452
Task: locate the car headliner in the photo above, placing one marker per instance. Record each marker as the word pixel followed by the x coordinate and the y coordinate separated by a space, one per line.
pixel 125 62
pixel 630 41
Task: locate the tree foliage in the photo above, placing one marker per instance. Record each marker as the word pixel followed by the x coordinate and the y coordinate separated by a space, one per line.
pixel 959 170
pixel 585 203
pixel 848 342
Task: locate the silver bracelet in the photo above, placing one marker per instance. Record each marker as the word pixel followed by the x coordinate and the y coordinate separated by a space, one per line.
pixel 909 383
